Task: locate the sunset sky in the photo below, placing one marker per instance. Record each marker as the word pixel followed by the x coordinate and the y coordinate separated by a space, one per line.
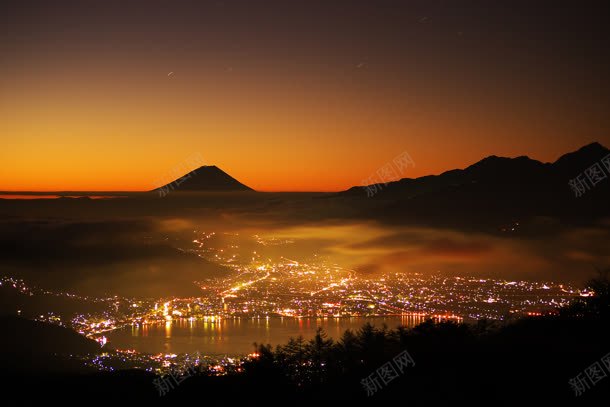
pixel 292 96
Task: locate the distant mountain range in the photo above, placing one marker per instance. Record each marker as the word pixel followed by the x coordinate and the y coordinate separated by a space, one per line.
pixel 491 190
pixel 499 187
pixel 205 178
pixel 491 172
pixel 493 169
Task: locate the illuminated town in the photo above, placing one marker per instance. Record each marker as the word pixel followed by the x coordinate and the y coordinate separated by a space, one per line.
pixel 258 287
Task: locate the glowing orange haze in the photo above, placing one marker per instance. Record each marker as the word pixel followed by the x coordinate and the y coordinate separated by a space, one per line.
pixel 111 131
pixel 290 96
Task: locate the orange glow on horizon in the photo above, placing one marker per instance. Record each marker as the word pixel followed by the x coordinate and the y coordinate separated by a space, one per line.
pixel 279 106
pixel 96 128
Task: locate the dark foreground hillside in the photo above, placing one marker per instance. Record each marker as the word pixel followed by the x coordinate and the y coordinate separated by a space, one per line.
pixel 522 363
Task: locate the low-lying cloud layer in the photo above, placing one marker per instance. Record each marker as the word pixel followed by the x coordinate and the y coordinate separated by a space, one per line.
pixel 119 257
pixel 571 255
pixel 138 252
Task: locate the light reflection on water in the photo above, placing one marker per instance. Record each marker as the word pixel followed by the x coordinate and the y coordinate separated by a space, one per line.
pixel 237 335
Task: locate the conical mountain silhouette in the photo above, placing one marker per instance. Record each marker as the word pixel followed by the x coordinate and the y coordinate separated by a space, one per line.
pixel 206 178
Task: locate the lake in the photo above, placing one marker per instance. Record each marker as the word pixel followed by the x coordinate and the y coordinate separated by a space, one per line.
pixel 235 336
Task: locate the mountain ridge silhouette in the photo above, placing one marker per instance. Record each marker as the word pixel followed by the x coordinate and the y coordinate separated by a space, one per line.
pixel 205 178
pixel 494 167
pixel 490 191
